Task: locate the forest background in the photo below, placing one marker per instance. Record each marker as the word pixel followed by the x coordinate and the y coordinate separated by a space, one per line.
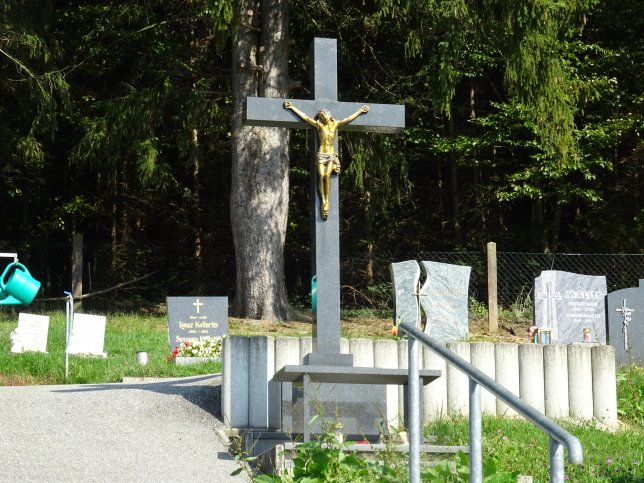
pixel 117 120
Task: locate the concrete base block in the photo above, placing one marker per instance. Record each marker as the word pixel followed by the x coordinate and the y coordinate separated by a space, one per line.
pixel 287 351
pixel 235 374
pixel 555 369
pixel 306 347
pixel 580 382
pixel 531 388
pixel 386 356
pixel 604 385
pixel 261 394
pixel 458 385
pixel 507 374
pixel 482 357
pixel 362 350
pixel 434 394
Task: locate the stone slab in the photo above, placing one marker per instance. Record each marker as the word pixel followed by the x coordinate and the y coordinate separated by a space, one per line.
pixel 444 299
pixel 350 375
pixel 405 276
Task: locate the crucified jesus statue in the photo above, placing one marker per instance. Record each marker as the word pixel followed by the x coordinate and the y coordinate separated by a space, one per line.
pixel 327 159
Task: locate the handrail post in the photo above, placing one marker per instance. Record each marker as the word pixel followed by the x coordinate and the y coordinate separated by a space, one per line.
pixel 476 458
pixel 413 403
pixel 556 461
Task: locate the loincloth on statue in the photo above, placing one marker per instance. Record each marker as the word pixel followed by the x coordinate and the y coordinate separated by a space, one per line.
pixel 323 158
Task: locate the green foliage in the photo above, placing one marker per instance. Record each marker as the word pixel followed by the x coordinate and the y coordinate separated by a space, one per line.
pixel 630 394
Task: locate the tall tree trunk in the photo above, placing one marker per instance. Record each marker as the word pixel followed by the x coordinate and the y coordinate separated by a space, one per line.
pixel 456 208
pixel 197 242
pixel 259 191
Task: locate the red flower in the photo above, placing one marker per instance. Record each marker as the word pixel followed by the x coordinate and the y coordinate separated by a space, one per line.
pixel 394 330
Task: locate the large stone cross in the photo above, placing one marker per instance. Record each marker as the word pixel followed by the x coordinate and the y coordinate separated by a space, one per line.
pixel 262 111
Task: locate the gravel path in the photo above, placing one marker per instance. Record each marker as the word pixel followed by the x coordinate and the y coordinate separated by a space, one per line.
pixel 140 430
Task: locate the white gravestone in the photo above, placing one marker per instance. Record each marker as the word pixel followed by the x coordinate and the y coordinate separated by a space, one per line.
pixel 31 333
pixel 87 335
pixel 572 305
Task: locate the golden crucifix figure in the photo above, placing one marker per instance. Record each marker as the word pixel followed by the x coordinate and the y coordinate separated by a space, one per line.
pixel 327 159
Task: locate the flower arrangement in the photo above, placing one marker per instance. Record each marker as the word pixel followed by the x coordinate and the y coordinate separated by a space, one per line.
pixel 206 347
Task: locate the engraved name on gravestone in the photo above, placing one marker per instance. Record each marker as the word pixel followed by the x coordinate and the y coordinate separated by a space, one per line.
pixel 625 316
pixel 570 304
pixel 444 299
pixel 87 335
pixel 196 318
pixel 31 333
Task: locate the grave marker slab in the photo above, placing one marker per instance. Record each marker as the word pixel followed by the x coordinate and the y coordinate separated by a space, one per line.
pixel 405 277
pixel 625 326
pixel 87 335
pixel 444 299
pixel 31 333
pixel 196 318
pixel 568 303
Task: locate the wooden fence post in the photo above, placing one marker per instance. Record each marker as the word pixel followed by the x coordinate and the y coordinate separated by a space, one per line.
pixel 77 270
pixel 492 302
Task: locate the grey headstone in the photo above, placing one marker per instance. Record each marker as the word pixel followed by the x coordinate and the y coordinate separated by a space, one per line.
pixel 569 302
pixel 405 276
pixel 625 316
pixel 196 318
pixel 444 299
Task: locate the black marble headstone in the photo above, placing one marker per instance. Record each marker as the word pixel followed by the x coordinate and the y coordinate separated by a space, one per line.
pixel 625 326
pixel 196 318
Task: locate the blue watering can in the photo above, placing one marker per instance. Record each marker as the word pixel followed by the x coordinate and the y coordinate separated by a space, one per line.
pixel 17 287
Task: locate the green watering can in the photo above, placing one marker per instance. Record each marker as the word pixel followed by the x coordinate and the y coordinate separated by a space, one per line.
pixel 314 295
pixel 17 287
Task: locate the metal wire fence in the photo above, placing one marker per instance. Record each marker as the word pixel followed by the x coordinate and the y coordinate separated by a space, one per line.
pixel 142 277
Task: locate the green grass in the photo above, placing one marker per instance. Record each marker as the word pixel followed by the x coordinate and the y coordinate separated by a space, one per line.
pixel 124 336
pixel 517 445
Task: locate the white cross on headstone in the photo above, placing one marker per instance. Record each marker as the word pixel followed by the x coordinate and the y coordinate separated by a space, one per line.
pixel 261 111
pixel 626 313
pixel 198 305
pixel 550 296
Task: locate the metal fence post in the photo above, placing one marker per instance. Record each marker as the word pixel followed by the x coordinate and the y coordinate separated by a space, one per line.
pixel 556 461
pixel 413 405
pixel 476 451
pixel 77 270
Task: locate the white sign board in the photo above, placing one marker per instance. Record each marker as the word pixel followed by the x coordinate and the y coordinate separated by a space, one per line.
pixel 87 335
pixel 31 333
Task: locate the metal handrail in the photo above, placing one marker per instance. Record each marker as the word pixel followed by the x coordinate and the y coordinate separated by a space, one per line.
pixel 559 437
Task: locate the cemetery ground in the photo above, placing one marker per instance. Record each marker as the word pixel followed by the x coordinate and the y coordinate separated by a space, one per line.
pixel 514 444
